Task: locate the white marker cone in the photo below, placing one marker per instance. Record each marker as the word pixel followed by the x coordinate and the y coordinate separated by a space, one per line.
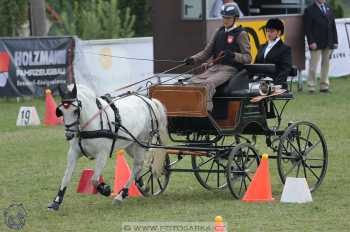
pixel 296 190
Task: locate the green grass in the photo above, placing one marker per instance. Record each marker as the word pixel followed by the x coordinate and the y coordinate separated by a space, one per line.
pixel 32 162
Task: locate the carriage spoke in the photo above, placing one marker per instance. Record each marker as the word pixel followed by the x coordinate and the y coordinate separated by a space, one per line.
pixel 304 171
pixel 294 148
pixel 298 169
pixel 242 160
pixel 160 184
pixel 286 157
pixel 152 188
pixel 245 184
pixel 220 164
pixel 286 150
pixel 250 179
pixel 218 175
pixel 145 174
pixel 298 138
pixel 241 187
pixel 307 139
pixel 318 159
pixel 149 179
pixel 291 169
pixel 205 162
pixel 315 159
pixel 308 167
pixel 237 165
pixel 250 162
pixel 211 167
pixel 308 150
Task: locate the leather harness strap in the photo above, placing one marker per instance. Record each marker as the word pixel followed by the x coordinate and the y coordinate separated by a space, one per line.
pixel 113 133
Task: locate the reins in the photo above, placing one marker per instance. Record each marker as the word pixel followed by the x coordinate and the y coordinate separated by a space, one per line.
pixel 134 58
pixel 214 61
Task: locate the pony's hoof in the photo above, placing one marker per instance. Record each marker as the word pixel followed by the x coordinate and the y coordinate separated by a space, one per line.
pixel 53 206
pixel 117 200
pixel 104 189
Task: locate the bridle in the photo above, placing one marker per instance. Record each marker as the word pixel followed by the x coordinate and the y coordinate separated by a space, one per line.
pixel 69 127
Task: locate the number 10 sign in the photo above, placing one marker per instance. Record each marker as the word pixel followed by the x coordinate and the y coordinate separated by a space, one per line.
pixel 27 116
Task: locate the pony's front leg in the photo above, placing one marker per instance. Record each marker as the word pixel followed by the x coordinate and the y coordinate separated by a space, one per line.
pixel 102 188
pixel 71 163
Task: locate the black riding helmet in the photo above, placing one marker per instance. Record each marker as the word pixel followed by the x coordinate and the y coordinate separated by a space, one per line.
pixel 275 23
pixel 229 10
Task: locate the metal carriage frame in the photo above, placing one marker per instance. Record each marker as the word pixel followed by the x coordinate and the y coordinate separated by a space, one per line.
pixel 300 149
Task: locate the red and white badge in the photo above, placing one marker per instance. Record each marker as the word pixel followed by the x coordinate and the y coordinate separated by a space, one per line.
pixel 230 39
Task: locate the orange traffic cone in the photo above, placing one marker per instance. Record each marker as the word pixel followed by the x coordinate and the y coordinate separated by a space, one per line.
pixel 260 187
pixel 219 225
pixel 85 185
pixel 50 111
pixel 122 175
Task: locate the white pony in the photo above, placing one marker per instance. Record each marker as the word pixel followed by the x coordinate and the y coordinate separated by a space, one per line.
pixel 140 117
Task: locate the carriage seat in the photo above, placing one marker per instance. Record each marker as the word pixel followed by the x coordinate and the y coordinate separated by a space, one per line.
pixel 238 87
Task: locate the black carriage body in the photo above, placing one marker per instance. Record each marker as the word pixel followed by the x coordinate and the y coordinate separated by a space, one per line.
pixel 216 142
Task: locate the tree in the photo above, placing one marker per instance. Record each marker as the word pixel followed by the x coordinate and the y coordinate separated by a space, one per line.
pixel 337 8
pixel 142 10
pixel 93 19
pixel 13 14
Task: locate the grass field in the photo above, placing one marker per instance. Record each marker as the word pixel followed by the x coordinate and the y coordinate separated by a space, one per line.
pixel 32 162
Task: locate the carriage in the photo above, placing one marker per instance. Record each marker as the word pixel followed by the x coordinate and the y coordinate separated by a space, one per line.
pixel 222 143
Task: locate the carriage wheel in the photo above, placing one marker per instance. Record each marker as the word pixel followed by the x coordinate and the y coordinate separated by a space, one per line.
pixel 302 152
pixel 149 185
pixel 210 171
pixel 241 167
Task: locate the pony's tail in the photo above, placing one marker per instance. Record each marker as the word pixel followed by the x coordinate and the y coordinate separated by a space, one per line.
pixel 158 154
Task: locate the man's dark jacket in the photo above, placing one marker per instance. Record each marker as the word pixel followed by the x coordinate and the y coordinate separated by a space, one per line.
pixel 319 27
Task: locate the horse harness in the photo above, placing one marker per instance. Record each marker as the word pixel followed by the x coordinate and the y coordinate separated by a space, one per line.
pixel 113 127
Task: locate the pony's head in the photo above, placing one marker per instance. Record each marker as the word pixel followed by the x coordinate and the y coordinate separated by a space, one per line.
pixel 70 110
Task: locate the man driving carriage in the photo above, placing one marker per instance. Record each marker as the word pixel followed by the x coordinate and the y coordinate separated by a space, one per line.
pixel 229 49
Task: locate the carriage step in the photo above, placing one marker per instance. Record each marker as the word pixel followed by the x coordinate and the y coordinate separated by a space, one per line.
pixel 184 152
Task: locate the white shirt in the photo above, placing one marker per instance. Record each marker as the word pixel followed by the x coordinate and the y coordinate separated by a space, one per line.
pixel 270 46
pixel 230 29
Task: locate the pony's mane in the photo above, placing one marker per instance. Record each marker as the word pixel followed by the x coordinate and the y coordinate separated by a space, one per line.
pixel 85 92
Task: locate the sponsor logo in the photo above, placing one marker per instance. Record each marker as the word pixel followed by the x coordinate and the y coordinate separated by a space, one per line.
pixel 4 68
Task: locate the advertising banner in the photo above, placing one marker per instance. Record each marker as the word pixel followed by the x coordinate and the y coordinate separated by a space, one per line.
pixel 30 65
pixel 106 65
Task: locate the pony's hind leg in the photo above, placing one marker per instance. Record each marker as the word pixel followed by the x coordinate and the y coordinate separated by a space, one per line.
pixel 72 158
pixel 102 188
pixel 138 154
